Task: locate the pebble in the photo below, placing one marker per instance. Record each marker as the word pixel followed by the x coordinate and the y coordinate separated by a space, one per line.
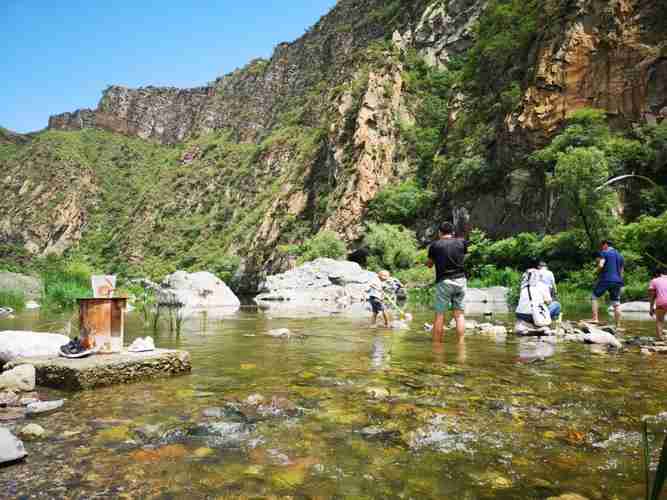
pixel 254 399
pixel 280 332
pixel 377 392
pixel 32 431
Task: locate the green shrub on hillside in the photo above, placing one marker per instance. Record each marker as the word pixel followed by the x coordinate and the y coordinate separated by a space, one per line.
pixel 403 204
pixel 391 247
pixel 323 244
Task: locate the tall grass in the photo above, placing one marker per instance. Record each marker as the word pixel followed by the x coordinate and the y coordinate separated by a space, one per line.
pixel 12 298
pixel 64 282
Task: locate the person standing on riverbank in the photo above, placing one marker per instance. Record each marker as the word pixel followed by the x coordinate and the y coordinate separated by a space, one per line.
pixel 447 254
pixel 657 292
pixel 610 266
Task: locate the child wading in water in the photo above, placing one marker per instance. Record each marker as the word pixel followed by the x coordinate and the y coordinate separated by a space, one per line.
pixel 657 292
pixel 382 290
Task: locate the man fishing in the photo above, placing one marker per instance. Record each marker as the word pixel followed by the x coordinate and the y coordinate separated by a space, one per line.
pixel 447 254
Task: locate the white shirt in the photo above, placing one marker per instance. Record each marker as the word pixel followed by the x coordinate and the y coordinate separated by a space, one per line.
pixel 547 277
pixel 540 293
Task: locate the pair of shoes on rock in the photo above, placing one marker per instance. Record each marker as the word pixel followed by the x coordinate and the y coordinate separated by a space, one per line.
pixel 142 345
pixel 76 349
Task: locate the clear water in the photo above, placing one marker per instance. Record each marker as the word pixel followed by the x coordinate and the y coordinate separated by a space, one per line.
pixel 349 412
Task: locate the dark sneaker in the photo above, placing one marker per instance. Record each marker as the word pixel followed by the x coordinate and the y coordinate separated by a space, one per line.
pixel 75 349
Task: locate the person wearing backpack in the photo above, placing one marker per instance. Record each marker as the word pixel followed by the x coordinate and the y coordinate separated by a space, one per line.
pixel 536 305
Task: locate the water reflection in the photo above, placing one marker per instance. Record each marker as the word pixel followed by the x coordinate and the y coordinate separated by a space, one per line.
pixel 341 410
pixel 535 348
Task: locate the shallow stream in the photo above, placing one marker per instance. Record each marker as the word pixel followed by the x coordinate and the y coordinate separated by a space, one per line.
pixel 347 411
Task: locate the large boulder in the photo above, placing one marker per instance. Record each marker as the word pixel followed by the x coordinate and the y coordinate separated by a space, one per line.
pixel 26 344
pixel 197 292
pixel 20 378
pixel 11 447
pixel 486 300
pixel 634 310
pixel 29 285
pixel 318 288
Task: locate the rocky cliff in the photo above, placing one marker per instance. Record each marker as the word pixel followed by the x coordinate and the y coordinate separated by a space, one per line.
pixel 605 55
pixel 283 148
pixel 247 100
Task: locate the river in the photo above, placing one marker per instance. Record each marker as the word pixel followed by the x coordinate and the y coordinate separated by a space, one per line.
pixel 345 411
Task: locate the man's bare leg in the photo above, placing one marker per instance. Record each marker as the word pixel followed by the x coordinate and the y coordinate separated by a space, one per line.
pixel 438 326
pixel 385 316
pixel 594 304
pixel 460 323
pixel 617 315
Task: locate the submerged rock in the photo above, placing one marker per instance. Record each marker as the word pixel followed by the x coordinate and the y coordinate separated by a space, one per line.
pixel 380 434
pixel 525 329
pixel 470 324
pixel 568 496
pixel 489 329
pixel 11 447
pixel 222 434
pixel 44 406
pixel 20 378
pixel 32 431
pixel 280 333
pixel 377 392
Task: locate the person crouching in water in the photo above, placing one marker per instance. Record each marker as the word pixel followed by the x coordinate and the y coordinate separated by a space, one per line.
pixel 535 295
pixel 657 292
pixel 376 297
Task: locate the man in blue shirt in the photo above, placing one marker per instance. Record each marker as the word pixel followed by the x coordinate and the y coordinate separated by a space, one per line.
pixel 610 265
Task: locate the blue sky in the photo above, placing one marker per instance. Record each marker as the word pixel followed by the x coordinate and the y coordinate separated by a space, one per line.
pixel 58 55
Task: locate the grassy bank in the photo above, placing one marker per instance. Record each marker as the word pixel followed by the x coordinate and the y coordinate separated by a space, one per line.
pixel 13 298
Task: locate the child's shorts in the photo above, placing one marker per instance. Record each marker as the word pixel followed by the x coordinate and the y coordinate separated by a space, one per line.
pixel 376 305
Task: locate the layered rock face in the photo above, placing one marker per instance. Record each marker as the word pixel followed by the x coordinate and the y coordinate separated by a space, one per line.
pixel 606 57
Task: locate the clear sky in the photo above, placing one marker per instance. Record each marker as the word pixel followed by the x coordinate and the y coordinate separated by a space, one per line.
pixel 58 55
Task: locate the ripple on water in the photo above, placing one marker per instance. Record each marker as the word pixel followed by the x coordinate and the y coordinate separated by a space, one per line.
pixel 349 412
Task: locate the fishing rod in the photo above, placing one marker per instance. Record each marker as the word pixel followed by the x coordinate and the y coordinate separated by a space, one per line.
pixel 623 177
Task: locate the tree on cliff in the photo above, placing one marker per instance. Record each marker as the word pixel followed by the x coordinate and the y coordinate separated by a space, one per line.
pixel 578 174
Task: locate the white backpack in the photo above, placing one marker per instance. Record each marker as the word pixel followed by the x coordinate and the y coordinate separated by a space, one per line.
pixel 538 309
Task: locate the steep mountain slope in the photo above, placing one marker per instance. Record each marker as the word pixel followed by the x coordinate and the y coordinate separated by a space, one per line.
pixel 454 93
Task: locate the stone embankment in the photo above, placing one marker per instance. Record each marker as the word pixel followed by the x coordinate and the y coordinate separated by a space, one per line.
pixel 107 369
